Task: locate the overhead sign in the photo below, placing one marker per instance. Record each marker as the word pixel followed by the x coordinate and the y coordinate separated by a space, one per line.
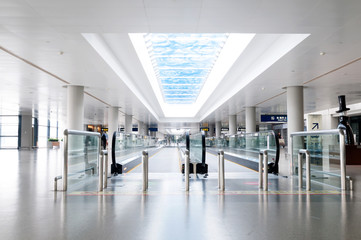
pixel 274 118
pixel 224 129
pixel 206 129
pixel 153 129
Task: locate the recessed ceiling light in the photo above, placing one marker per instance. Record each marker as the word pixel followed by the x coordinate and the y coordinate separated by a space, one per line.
pixel 322 53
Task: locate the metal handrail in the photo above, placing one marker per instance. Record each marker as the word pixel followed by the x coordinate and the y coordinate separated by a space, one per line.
pixel 342 149
pixel 81 133
pixel 66 149
pixel 61 177
pixel 320 132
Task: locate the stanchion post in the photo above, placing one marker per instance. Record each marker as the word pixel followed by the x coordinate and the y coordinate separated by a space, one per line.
pixel 342 159
pixel 300 171
pixel 221 170
pixel 308 169
pixel 106 170
pixel 100 171
pixel 260 171
pixel 265 170
pixel 65 164
pixel 145 170
pixel 219 167
pixel 186 170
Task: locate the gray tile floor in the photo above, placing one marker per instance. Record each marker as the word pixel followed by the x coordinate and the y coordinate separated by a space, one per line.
pixel 29 209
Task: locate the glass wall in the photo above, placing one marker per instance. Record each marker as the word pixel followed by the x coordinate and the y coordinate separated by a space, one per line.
pixel 9 131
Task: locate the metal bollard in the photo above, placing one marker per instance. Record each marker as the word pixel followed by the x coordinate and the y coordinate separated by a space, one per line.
pixel 221 171
pixel 100 172
pixel 195 170
pixel 145 170
pixel 65 163
pixel 265 170
pixel 105 181
pixel 308 169
pixel 260 170
pixel 186 170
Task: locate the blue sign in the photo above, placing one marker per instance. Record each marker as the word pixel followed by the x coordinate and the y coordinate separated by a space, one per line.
pixel 273 118
pixel 153 129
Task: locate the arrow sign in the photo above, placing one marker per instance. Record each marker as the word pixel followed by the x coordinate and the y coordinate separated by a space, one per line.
pixel 315 125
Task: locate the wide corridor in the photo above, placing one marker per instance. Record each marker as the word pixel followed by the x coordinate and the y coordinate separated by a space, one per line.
pixel 30 209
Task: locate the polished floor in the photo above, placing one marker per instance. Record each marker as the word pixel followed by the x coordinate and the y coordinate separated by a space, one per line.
pixel 30 209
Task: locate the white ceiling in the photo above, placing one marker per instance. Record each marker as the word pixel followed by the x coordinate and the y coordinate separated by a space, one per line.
pixel 48 51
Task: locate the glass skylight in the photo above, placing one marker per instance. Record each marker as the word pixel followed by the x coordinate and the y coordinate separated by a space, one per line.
pixel 182 62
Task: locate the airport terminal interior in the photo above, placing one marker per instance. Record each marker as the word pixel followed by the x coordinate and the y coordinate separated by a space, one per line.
pixel 180 119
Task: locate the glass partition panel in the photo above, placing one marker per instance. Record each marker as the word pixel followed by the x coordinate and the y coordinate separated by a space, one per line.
pixel 196 147
pixel 248 145
pixel 325 157
pixel 131 145
pixel 83 158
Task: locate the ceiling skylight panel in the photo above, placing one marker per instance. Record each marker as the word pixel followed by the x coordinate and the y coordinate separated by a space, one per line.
pixel 183 59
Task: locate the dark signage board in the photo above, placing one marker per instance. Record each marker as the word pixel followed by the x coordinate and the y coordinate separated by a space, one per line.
pixel 274 118
pixel 224 129
pixel 153 129
pixel 134 129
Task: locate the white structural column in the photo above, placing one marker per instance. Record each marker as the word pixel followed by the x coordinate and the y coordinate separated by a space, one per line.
pixel 113 115
pixel 211 130
pixel 75 108
pixel 232 129
pixel 128 124
pixel 232 124
pixel 295 112
pixel 218 129
pixel 26 131
pixel 141 128
pixel 250 119
pixel 146 130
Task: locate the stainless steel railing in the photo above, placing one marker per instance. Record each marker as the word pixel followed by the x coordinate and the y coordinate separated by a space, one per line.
pixel 341 134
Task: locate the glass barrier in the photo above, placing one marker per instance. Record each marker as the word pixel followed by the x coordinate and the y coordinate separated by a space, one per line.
pixel 248 145
pixel 324 148
pixel 197 147
pixel 81 157
pixel 131 145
